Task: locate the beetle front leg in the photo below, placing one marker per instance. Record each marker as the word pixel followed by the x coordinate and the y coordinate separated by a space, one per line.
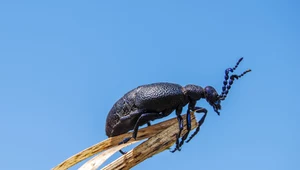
pixel 188 125
pixel 199 110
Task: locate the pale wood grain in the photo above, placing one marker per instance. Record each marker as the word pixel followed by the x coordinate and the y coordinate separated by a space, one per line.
pixel 154 145
pixel 99 159
pixel 165 136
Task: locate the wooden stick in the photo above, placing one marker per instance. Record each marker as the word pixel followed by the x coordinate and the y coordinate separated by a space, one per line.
pixel 113 141
pixel 156 144
pixel 98 160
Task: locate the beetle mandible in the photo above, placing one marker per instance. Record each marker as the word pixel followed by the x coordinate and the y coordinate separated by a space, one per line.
pixel 153 101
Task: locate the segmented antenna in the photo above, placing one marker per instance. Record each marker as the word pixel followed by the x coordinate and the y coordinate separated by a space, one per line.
pixel 232 78
pixel 227 76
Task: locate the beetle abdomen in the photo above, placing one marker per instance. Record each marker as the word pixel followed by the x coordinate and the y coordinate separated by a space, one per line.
pixel 121 108
pixel 160 96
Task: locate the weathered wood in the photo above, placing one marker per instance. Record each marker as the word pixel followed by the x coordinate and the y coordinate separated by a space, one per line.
pixel 154 145
pixel 161 137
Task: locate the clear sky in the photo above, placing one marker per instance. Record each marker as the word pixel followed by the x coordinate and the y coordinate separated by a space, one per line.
pixel 63 64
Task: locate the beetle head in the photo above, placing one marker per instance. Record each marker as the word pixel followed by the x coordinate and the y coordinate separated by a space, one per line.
pixel 212 97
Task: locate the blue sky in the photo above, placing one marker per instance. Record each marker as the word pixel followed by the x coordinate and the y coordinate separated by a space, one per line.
pixel 63 64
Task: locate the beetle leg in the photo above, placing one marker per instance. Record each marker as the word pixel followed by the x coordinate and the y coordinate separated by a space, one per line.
pixel 141 120
pixel 127 139
pixel 188 124
pixel 199 110
pixel 132 114
pixel 122 152
pixel 149 116
pixel 148 123
pixel 179 144
pixel 180 124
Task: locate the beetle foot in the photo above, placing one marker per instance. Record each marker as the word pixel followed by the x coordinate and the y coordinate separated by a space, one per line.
pixel 122 152
pixel 175 149
pixel 148 123
pixel 125 140
pixel 177 145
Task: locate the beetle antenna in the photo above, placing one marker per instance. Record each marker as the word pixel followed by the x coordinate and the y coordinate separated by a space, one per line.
pixel 225 82
pixel 232 77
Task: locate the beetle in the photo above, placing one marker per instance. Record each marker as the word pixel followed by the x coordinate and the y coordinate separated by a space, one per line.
pixel 157 100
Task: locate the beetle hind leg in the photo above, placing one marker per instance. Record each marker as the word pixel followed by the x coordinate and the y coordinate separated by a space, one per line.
pixel 127 139
pixel 148 123
pixel 123 152
pixel 144 118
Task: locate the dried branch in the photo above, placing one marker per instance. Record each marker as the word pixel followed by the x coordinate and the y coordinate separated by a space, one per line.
pixel 161 137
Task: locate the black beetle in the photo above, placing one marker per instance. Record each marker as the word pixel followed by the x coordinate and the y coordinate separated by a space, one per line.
pixel 153 101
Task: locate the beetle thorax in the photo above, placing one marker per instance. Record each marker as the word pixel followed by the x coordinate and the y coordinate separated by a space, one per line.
pixel 194 92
